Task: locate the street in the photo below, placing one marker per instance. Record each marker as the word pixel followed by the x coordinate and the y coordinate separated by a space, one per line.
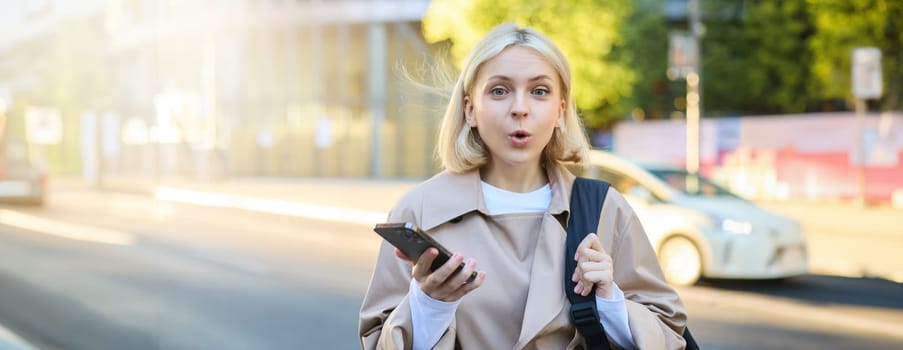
pixel 192 278
pixel 121 270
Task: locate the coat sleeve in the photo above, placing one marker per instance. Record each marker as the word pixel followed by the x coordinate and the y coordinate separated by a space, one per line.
pixel 385 316
pixel 655 313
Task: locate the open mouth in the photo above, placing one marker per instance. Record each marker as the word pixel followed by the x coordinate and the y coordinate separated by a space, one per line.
pixel 520 135
pixel 519 138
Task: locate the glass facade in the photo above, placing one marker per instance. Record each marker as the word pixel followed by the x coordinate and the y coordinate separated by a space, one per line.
pixel 272 88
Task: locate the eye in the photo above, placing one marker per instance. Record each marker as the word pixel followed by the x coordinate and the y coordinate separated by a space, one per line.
pixel 541 91
pixel 498 91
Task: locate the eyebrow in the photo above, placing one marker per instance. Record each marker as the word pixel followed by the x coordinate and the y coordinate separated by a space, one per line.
pixel 505 78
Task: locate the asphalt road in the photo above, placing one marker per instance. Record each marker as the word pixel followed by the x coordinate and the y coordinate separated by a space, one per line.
pixel 172 276
pixel 810 312
pixel 186 278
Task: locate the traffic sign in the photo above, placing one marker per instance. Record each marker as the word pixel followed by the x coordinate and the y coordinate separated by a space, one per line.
pixel 682 58
pixel 867 73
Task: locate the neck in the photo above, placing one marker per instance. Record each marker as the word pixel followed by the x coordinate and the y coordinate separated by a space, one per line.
pixel 521 179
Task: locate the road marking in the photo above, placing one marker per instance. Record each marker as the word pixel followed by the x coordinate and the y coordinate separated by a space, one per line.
pixel 270 206
pixel 65 230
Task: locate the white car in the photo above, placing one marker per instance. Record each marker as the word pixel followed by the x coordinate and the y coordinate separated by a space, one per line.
pixel 699 229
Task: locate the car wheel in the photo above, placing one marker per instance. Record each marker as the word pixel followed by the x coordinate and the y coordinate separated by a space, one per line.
pixel 680 261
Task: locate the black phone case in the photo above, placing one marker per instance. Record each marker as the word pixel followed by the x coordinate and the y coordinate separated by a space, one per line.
pixel 408 238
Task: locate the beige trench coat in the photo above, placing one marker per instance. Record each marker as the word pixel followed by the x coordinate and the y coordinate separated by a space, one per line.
pixel 521 304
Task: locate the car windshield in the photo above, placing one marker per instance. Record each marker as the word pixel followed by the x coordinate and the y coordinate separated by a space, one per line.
pixel 691 184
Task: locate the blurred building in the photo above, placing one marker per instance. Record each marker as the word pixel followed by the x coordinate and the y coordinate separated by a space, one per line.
pixel 29 57
pixel 206 88
pixel 270 88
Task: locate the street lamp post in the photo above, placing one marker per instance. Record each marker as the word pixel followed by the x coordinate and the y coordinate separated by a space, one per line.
pixel 866 84
pixel 376 86
pixel 694 96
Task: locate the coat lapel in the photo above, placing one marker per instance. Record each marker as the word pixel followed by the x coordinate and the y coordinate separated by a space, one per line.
pixel 449 196
pixel 546 298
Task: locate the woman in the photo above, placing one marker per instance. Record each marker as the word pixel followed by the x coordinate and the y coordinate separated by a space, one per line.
pixel 501 204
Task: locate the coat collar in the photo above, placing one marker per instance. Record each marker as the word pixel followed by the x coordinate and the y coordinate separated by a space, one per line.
pixel 452 195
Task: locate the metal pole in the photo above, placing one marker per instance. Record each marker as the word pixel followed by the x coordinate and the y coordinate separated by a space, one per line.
pixel 211 168
pixel 376 87
pixel 319 65
pixel 860 152
pixel 344 36
pixel 694 97
pixel 692 123
pixel 866 84
pixel 293 96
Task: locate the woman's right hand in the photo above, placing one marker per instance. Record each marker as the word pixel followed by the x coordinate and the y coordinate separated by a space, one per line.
pixel 443 284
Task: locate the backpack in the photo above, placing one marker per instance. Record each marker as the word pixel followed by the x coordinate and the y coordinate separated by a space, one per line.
pixel 587 198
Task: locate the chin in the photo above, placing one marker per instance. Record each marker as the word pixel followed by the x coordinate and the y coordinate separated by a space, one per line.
pixel 519 160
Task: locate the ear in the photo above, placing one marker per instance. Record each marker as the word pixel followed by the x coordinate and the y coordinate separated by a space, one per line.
pixel 469 117
pixel 562 110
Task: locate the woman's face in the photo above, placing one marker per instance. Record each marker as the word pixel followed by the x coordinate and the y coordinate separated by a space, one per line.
pixel 516 102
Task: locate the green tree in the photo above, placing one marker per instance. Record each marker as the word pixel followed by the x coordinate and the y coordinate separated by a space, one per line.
pixel 645 50
pixel 842 25
pixel 591 34
pixel 756 58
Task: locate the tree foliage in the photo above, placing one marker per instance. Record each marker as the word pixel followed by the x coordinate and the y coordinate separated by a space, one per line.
pixel 758 57
pixel 795 55
pixel 590 33
pixel 645 51
pixel 842 25
pixel 755 57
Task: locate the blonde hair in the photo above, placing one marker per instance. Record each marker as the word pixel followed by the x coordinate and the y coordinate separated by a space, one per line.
pixel 460 147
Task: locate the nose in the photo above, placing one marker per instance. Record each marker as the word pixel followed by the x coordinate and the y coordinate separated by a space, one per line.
pixel 520 107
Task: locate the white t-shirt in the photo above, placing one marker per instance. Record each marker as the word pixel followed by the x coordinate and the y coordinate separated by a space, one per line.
pixel 500 201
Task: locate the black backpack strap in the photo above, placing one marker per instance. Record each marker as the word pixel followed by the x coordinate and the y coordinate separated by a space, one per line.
pixel 691 343
pixel 587 197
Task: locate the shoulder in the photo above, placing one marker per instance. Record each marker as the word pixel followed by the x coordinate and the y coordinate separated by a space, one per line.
pixel 415 195
pixel 613 199
pixel 617 210
pixel 617 199
pixel 439 188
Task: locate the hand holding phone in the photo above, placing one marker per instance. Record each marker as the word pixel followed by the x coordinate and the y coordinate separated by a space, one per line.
pixel 413 242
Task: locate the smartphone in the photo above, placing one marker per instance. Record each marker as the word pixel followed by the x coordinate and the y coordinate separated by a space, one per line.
pixel 408 238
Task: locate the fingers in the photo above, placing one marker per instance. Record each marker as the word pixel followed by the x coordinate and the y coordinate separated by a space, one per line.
pixel 422 266
pixel 586 250
pixel 596 272
pixel 401 255
pixel 467 287
pixel 464 281
pixel 452 280
pixel 438 277
pixel 594 266
pixel 591 241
